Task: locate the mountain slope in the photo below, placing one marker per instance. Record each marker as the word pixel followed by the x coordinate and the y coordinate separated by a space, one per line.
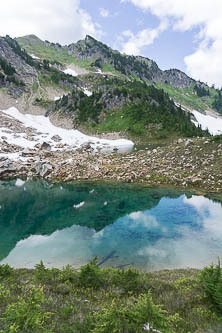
pixel 30 82
pixel 130 107
pixel 94 55
pixel 115 92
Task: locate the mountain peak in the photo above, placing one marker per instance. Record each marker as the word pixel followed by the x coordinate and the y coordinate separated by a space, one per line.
pixel 88 37
pixel 29 40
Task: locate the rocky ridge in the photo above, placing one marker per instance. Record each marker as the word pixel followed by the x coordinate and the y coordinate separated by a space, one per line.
pixel 98 54
pixel 144 68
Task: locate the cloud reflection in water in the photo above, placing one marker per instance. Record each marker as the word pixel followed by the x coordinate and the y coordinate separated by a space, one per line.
pixel 181 232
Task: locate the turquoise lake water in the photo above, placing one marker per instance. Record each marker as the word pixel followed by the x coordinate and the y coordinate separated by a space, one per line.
pixel 123 225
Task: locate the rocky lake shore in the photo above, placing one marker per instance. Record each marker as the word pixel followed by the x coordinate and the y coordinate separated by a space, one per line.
pixel 189 163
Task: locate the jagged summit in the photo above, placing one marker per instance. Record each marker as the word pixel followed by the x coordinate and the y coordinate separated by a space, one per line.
pixel 90 38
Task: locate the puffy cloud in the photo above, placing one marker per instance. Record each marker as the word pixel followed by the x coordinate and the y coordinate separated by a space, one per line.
pixel 204 63
pixel 135 43
pixel 58 21
pixel 104 12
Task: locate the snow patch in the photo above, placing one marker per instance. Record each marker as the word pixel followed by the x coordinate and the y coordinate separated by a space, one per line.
pixel 81 204
pixel 45 130
pixel 87 92
pixel 99 71
pixel 34 57
pixel 213 124
pixel 56 98
pixel 70 72
pixel 19 182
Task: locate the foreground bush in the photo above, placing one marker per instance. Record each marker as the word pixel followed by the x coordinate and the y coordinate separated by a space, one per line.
pixel 27 313
pixel 211 280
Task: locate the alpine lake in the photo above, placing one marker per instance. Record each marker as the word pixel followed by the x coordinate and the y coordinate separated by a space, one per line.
pixel 122 225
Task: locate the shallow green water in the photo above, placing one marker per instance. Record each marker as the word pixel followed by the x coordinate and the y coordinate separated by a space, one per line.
pixel 71 224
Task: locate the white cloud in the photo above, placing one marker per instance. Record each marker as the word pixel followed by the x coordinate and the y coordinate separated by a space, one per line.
pixel 135 43
pixel 104 12
pixel 210 212
pixel 57 21
pixel 145 220
pixel 204 63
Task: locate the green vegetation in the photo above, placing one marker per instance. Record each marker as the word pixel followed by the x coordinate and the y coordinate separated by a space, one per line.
pixel 201 90
pixel 132 107
pixel 9 72
pixel 45 103
pixel 183 96
pixel 217 103
pixel 106 67
pixel 44 51
pixel 51 76
pixel 91 299
pixel 197 96
pixel 90 53
pixel 211 280
pixel 4 90
pixel 110 61
pixel 152 122
pixel 13 79
pixel 6 67
pixel 50 53
pixel 217 138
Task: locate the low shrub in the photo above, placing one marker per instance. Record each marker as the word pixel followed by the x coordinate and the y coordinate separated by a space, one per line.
pixel 5 270
pixel 211 281
pixel 91 275
pixel 135 316
pixel 27 315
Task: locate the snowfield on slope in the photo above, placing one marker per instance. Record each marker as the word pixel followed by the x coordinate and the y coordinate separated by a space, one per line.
pixel 213 124
pixel 43 130
pixel 70 72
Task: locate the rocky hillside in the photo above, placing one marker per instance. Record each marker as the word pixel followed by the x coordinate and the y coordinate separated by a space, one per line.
pixel 93 55
pixel 99 89
pixel 24 75
pixel 17 71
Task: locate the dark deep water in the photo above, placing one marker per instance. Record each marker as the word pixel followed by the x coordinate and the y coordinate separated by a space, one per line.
pixel 149 229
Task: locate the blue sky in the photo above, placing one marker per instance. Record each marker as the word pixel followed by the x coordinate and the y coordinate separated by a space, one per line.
pixel 183 34
pixel 168 50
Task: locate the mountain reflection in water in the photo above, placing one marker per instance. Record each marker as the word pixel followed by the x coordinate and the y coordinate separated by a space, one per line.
pixel 121 224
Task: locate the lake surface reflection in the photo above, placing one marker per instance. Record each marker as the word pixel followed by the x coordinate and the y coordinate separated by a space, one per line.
pixel 150 229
